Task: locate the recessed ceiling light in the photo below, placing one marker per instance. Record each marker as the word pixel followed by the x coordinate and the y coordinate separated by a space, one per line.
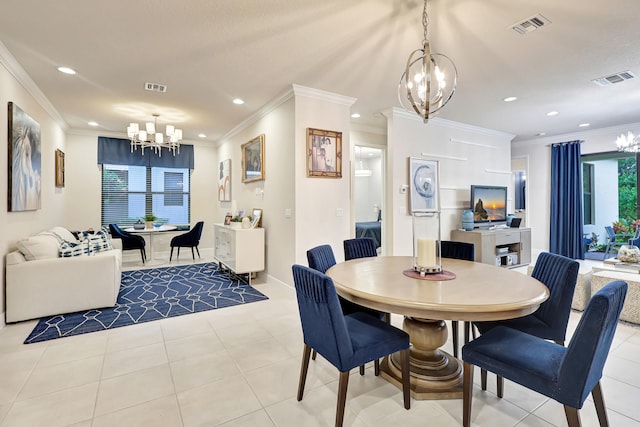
pixel 202 135
pixel 584 125
pixel 552 113
pixel 238 101
pixel 67 70
pixel 510 99
pixel 355 115
pixel 541 134
pixel 92 124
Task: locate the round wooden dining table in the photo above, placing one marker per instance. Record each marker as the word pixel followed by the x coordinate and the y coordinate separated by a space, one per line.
pixel 477 292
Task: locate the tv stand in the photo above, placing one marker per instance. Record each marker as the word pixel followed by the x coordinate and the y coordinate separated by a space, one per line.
pixel 503 247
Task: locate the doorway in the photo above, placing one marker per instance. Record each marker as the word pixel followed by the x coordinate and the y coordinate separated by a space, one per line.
pixel 368 192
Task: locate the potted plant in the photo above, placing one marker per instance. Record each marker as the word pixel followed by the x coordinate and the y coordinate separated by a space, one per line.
pixel 148 219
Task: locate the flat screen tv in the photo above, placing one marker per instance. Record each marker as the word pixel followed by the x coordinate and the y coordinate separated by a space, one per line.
pixel 489 204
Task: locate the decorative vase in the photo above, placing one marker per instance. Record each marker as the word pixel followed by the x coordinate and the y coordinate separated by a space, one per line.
pixel 138 225
pixel 426 243
pixel 246 223
pixel 467 219
pixel 509 219
pixel 149 224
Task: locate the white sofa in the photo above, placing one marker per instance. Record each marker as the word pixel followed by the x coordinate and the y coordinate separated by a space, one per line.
pixel 41 283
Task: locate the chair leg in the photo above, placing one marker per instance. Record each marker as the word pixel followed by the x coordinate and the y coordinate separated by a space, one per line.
pixel 467 394
pixel 468 326
pixel 483 379
pixel 192 254
pixel 342 397
pixel 573 417
pixel 303 371
pixel 454 334
pixel 601 410
pixel 142 254
pixel 178 254
pixel 406 383
pixel 361 369
pixel 376 367
pixel 171 254
pixel 499 385
pixel 313 355
pixel 197 250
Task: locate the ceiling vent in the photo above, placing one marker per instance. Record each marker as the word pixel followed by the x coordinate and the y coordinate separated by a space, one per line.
pixel 530 24
pixel 155 87
pixel 614 78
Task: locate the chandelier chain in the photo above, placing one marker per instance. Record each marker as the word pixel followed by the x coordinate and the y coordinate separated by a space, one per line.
pixel 425 22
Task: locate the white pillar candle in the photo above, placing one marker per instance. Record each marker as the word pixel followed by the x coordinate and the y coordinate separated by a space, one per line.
pixel 426 253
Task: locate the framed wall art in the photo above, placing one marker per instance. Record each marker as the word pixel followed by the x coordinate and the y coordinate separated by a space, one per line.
pixel 253 159
pixel 425 185
pixel 59 168
pixel 324 152
pixel 256 222
pixel 224 181
pixel 25 161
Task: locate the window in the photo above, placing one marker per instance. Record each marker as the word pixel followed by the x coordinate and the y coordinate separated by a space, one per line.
pixel 587 193
pixel 130 192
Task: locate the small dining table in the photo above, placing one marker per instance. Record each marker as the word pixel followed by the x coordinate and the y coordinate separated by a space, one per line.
pixel 151 232
pixel 470 291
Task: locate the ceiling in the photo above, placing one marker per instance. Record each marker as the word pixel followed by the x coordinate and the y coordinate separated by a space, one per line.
pixel 208 52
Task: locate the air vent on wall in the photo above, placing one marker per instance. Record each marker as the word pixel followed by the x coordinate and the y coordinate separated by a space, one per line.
pixel 530 24
pixel 614 78
pixel 155 87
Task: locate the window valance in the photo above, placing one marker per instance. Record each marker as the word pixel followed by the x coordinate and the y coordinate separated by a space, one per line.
pixel 117 151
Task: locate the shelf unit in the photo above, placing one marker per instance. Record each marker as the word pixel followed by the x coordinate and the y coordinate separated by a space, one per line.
pixel 503 247
pixel 241 250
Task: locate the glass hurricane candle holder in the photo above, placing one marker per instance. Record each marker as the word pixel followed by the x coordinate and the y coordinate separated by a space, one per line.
pixel 426 243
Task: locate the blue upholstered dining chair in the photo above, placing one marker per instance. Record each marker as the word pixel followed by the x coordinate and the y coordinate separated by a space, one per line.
pixel 549 321
pixel 190 239
pixel 321 258
pixel 129 241
pixel 345 341
pixel 464 251
pixel 566 375
pixel 361 247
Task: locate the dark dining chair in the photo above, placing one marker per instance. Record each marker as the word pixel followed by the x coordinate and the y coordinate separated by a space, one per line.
pixel 129 241
pixel 361 247
pixel 566 375
pixel 190 239
pixel 345 341
pixel 321 258
pixel 559 274
pixel 464 251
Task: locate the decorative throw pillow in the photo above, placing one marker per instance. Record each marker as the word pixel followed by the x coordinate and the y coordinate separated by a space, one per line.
pixel 41 246
pixel 70 249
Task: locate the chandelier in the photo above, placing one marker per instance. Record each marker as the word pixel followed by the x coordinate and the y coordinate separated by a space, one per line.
pixel 149 138
pixel 429 79
pixel 628 143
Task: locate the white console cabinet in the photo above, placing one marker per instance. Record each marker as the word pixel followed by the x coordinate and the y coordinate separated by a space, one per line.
pixel 504 247
pixel 239 249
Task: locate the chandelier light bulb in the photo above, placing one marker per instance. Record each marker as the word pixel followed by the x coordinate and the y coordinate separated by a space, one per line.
pixel 148 138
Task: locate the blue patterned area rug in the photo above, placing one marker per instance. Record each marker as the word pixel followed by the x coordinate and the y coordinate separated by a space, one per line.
pixel 154 294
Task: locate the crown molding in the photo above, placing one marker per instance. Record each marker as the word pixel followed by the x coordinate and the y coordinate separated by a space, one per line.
pixel 322 95
pixel 438 121
pixel 582 135
pixel 262 112
pixel 16 70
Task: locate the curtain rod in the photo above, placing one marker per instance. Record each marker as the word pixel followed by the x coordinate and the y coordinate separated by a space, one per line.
pixel 563 143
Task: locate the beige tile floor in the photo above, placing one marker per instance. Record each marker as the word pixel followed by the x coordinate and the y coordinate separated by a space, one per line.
pixel 239 366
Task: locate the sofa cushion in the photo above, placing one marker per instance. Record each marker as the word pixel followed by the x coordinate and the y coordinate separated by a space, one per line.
pixel 41 246
pixel 64 234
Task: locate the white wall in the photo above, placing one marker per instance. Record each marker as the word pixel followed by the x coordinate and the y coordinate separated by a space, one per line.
pixel 17 225
pixel 539 174
pixel 466 154
pixel 276 192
